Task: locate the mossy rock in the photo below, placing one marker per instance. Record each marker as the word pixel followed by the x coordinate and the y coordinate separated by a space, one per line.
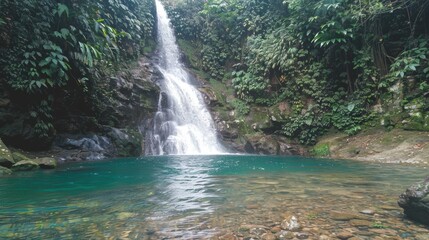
pixel 17 156
pixel 46 162
pixel 4 171
pixel 26 165
pixel 414 201
pixel 417 123
pixel 6 159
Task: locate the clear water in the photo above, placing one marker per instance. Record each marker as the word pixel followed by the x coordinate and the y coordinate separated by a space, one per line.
pixel 182 125
pixel 199 197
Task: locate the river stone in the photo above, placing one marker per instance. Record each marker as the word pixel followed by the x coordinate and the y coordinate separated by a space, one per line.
pixel 302 235
pixel 285 235
pixel 4 171
pixel 268 236
pixel 276 229
pixel 26 165
pixel 6 159
pixel 368 212
pixel 343 216
pixel 291 223
pixel 46 162
pixel 360 223
pixel 415 201
pixel 344 235
pixel 228 236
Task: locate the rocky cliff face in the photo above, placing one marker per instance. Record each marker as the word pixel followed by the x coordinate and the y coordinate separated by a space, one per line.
pixel 125 100
pixel 253 132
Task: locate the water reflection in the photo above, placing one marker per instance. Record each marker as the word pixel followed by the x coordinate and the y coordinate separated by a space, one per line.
pixel 187 192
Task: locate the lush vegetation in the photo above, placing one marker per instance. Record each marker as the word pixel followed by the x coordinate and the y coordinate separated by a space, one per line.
pixel 54 54
pixel 332 61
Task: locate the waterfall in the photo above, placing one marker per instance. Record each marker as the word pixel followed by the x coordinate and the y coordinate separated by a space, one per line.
pixel 182 125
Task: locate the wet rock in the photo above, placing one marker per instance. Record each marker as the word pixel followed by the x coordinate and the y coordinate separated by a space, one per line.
pixel 268 236
pixel 285 235
pixel 368 212
pixel 387 232
pixel 228 130
pixel 415 201
pixel 360 223
pixel 423 236
pixel 46 162
pixel 127 142
pixel 291 223
pixel 125 215
pixel 6 159
pixel 355 238
pixel 343 216
pixel 276 229
pixel 263 145
pixel 389 208
pixel 209 96
pixel 258 230
pixel 324 237
pixel 302 235
pixel 84 147
pixel 344 235
pixel 248 227
pixel 4 171
pixel 252 206
pixel 26 165
pixel 228 236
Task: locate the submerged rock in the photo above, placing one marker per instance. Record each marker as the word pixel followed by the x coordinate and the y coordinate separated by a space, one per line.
pixel 291 223
pixel 415 201
pixel 344 216
pixel 6 159
pixel 46 163
pixel 4 171
pixel 26 165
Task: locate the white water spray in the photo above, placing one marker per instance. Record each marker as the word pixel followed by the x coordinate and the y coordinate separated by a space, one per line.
pixel 182 125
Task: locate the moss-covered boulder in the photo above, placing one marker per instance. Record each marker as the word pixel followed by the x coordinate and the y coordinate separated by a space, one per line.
pixel 26 165
pixel 5 171
pixel 6 159
pixel 415 201
pixel 17 156
pixel 46 162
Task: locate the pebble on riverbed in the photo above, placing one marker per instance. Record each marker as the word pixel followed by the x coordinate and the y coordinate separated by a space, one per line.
pixel 291 223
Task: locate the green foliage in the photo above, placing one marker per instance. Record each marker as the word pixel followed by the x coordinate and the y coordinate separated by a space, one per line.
pixel 307 127
pixel 61 47
pixel 330 60
pixel 349 118
pixel 378 225
pixel 321 150
pixel 246 84
pixel 240 107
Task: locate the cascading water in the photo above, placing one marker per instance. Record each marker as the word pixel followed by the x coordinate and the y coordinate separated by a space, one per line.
pixel 182 125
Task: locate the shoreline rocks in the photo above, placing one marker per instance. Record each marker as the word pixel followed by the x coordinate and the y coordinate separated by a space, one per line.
pixel 16 162
pixel 415 201
pixel 6 159
pixel 25 165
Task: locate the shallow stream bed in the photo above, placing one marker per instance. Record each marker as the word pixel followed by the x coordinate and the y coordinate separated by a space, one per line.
pixel 200 197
